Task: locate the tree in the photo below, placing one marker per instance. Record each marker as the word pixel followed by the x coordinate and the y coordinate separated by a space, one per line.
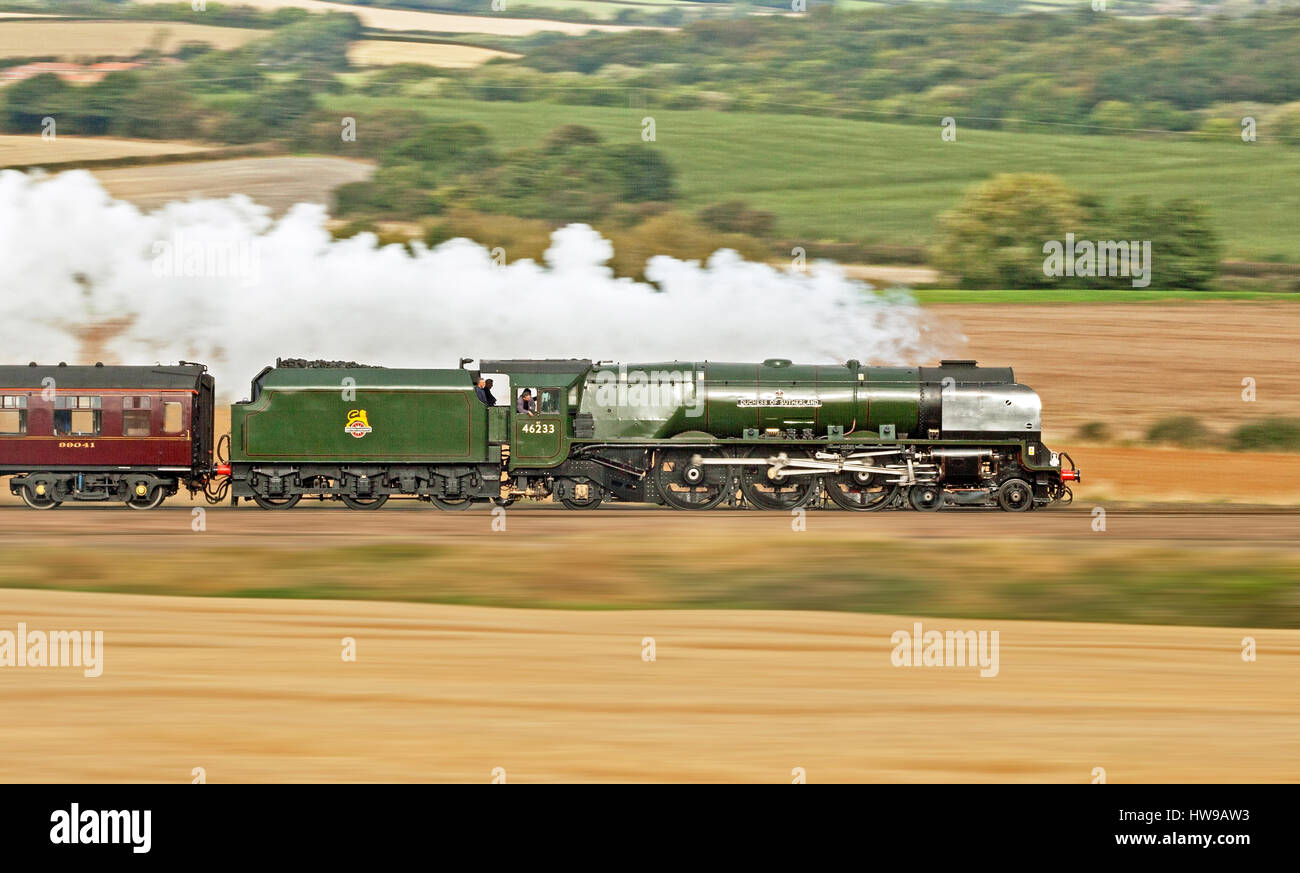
pixel 282 105
pixel 99 104
pixel 733 216
pixel 157 110
pixel 319 41
pixel 30 101
pixel 677 234
pixel 564 180
pixel 1284 126
pixel 994 238
pixel 1113 116
pixel 396 189
pixel 644 174
pixel 451 146
pixel 1185 248
pixel 568 135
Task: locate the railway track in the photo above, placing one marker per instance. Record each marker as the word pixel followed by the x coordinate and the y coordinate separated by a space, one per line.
pixel 645 511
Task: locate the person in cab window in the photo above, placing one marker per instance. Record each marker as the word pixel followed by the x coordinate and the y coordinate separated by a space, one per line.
pixel 480 388
pixel 487 389
pixel 526 403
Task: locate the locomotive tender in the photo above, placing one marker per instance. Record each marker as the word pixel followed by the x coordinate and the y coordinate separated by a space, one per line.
pixel 689 435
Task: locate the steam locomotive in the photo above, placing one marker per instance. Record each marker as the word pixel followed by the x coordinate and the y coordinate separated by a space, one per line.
pixel 688 435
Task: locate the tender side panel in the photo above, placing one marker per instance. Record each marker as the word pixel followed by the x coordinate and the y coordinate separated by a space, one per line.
pixel 378 425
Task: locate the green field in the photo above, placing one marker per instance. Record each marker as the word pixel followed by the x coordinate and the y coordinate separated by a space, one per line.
pixel 834 179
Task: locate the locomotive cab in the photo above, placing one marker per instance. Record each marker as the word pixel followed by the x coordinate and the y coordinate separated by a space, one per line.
pixel 542 439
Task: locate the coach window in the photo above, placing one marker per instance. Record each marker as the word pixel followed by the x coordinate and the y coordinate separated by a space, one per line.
pixel 173 419
pixel 77 416
pixel 135 416
pixel 13 414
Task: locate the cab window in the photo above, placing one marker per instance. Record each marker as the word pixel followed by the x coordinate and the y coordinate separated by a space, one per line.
pixel 77 415
pixel 135 416
pixel 13 414
pixel 549 403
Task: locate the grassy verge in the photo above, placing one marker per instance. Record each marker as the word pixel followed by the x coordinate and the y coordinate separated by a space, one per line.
pixel 1105 581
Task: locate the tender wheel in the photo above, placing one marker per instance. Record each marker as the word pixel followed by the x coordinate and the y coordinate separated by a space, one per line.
pixel 364 502
pixel 37 501
pixel 783 491
pixel 1016 495
pixel 150 501
pixel 684 484
pixel 277 502
pixel 452 505
pixel 860 492
pixel 926 498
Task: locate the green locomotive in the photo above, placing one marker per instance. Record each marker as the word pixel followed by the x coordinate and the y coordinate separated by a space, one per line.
pixel 689 435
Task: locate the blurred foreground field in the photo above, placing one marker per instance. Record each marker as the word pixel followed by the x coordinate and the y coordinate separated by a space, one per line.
pixel 1193 568
pixel 256 691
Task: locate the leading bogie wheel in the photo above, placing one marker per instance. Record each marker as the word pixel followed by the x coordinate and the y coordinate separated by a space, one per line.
pixel 1016 495
pixel 926 497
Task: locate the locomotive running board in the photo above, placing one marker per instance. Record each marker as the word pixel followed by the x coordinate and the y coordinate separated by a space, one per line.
pixel 824 462
pixel 820 461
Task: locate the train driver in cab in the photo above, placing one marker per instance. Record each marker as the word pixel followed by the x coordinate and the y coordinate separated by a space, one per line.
pixel 526 403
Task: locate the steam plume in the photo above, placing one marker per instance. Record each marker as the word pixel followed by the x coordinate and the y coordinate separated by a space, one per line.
pixel 218 281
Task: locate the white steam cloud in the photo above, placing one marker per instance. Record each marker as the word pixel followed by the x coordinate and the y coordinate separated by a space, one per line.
pixel 218 281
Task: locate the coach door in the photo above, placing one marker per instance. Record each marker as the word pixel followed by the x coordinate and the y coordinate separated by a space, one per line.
pixel 538 426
